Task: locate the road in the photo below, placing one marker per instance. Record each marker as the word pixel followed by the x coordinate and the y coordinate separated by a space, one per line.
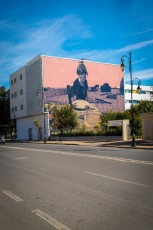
pixel 64 187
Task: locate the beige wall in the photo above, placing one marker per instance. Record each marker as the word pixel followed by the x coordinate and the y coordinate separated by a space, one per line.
pixel 147 126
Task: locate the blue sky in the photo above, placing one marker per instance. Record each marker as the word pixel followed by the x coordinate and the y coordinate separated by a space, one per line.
pixel 97 30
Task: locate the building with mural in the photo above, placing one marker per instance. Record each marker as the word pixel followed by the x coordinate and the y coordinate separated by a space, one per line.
pixel 91 88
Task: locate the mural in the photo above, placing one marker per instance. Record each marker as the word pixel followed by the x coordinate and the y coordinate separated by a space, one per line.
pixel 92 88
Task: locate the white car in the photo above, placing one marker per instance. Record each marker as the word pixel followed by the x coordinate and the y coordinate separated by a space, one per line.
pixel 2 140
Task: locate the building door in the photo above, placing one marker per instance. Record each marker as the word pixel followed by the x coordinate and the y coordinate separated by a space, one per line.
pixel 30 134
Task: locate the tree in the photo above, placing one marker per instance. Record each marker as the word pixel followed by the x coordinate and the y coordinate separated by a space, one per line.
pixel 113 116
pixel 5 123
pixel 145 106
pixel 64 117
pixel 37 122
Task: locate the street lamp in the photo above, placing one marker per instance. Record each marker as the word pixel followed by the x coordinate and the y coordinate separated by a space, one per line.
pixel 133 144
pixel 43 105
pixel 139 84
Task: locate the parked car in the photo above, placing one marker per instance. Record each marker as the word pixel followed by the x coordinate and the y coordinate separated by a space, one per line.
pixel 2 140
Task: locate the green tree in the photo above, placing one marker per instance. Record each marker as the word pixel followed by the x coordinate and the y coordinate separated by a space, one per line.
pixel 145 106
pixel 37 122
pixel 5 123
pixel 64 117
pixel 113 116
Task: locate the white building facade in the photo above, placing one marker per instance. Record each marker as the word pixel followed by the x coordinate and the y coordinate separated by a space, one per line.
pixel 26 101
pixel 146 94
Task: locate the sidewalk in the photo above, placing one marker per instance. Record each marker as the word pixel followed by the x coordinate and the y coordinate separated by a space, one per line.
pixel 116 144
pixel 97 143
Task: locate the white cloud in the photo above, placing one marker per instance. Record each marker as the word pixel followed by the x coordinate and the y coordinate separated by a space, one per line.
pixel 44 37
pixel 144 74
pixel 135 46
pixel 142 32
pixel 48 37
pixel 110 55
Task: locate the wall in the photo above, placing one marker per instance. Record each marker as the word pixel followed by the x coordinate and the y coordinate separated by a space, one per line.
pixel 57 75
pixel 59 72
pixel 34 87
pixel 18 99
pixel 147 126
pixel 103 91
pixel 23 125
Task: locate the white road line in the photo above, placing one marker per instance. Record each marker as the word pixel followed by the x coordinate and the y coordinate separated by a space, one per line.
pixel 116 179
pixel 13 196
pixel 20 158
pixel 7 155
pixel 58 225
pixel 85 155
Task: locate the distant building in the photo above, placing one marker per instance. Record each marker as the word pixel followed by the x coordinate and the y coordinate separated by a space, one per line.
pixel 146 94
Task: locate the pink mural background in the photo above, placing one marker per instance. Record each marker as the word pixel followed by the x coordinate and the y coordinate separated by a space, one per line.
pixel 58 73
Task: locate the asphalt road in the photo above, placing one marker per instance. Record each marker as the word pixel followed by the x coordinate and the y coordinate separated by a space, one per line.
pixel 75 188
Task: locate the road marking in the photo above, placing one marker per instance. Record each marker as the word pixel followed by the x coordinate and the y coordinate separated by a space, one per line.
pixel 58 225
pixel 85 155
pixel 116 179
pixel 13 196
pixel 16 158
pixel 20 158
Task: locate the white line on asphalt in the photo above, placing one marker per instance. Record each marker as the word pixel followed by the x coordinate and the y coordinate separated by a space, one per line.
pixel 116 179
pixel 20 158
pixel 13 196
pixel 85 155
pixel 58 225
pixel 7 155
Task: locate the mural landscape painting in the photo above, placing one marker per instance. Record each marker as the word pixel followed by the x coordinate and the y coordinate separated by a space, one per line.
pixel 92 88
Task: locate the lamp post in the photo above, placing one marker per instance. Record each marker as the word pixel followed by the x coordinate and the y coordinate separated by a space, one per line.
pixel 133 144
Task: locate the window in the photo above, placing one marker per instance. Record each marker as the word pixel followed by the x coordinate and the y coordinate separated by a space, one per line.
pixel 12 110
pixel 135 102
pixel 12 95
pixel 14 80
pixel 127 101
pixel 20 76
pixel 147 92
pixel 11 82
pixel 15 94
pixel 21 91
pixel 21 107
pixel 15 108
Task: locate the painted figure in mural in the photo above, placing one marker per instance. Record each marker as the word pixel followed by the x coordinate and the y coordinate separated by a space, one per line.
pixel 80 85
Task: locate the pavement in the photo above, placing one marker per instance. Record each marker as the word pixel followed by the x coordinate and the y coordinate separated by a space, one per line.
pixel 140 144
